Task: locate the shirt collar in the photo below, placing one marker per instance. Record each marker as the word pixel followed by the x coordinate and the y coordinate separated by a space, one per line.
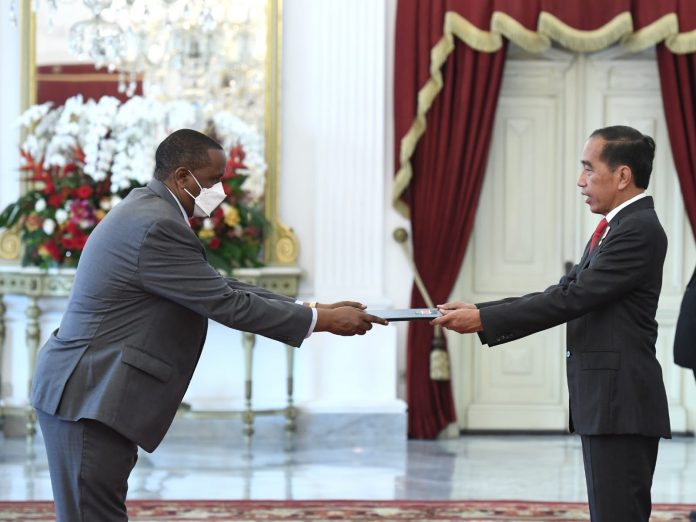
pixel 181 207
pixel 611 215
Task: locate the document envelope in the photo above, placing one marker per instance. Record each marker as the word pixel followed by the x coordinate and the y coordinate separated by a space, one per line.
pixel 406 314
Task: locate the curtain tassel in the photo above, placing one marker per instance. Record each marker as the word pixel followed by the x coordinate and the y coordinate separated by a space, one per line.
pixel 439 358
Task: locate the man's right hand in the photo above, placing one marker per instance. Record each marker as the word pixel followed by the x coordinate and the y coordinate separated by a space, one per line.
pixel 345 320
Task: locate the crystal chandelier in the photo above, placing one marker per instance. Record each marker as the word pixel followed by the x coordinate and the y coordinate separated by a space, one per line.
pixel 207 51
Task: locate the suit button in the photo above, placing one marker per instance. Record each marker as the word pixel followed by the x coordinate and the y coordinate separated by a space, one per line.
pixel 567 354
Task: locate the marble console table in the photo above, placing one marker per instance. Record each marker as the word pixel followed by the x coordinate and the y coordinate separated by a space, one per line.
pixel 36 284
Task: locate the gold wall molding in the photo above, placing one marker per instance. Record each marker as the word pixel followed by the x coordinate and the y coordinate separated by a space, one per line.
pixel 281 245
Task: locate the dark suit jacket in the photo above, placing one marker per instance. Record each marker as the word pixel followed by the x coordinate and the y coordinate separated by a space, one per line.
pixel 137 317
pixel 609 300
pixel 685 335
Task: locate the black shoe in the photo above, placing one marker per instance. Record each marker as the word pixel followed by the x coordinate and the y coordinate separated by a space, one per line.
pixel 692 516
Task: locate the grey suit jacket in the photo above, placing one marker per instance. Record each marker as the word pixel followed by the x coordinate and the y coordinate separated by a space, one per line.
pixel 137 318
pixel 609 300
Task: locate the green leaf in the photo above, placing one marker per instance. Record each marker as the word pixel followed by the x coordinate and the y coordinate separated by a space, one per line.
pixel 10 215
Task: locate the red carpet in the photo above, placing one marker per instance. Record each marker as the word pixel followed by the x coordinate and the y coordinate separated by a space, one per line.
pixel 348 510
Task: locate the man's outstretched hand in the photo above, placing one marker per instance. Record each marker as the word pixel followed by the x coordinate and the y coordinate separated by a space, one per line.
pixel 460 317
pixel 345 319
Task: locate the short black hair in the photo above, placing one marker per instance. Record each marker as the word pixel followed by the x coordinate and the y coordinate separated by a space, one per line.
pixel 627 146
pixel 183 148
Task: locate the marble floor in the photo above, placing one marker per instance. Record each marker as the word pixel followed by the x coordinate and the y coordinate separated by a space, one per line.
pixel 535 467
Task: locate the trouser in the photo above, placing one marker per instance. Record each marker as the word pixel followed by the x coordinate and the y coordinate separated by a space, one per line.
pixel 89 465
pixel 619 471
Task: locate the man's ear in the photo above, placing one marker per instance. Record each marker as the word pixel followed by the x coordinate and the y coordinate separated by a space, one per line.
pixel 625 177
pixel 179 176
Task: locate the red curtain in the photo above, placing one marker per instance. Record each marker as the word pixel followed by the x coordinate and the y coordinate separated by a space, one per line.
pixel 678 81
pixel 448 166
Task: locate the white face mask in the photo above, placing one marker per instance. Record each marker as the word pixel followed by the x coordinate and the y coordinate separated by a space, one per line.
pixel 208 199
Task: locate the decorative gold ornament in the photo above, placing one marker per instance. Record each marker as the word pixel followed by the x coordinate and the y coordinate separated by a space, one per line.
pixel 9 245
pixel 286 247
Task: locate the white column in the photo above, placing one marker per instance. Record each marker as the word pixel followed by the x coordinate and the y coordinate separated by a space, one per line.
pixel 334 190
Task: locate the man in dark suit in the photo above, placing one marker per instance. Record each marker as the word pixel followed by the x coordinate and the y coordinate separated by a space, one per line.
pixel 618 403
pixel 113 375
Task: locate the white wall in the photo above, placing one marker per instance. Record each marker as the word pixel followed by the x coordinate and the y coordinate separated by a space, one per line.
pixel 9 110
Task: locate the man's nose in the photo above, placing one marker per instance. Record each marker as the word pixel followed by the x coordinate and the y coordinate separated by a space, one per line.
pixel 581 180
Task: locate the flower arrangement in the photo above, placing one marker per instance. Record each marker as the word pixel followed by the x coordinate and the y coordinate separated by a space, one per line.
pixel 83 157
pixel 233 234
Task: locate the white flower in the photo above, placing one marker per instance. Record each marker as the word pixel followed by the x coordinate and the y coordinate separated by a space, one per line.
pixel 49 226
pixel 207 224
pixel 119 140
pixel 34 114
pixel 40 205
pixel 61 216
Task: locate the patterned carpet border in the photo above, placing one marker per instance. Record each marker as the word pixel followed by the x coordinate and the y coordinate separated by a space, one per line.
pixel 347 510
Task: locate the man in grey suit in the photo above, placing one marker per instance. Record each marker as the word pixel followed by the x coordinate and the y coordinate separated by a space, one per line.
pixel 618 403
pixel 112 376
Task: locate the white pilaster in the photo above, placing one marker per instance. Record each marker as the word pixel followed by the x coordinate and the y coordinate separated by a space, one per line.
pixel 334 190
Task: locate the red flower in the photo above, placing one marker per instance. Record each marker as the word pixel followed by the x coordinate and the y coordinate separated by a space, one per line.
pixel 214 243
pixel 70 167
pixel 235 161
pixel 54 200
pixel 72 228
pixel 49 187
pixel 52 249
pixel 83 191
pixel 79 242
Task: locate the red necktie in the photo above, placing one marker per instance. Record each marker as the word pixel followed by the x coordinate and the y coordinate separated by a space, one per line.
pixel 601 227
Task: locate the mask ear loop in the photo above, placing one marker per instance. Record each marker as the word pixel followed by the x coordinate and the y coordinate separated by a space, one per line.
pixel 199 186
